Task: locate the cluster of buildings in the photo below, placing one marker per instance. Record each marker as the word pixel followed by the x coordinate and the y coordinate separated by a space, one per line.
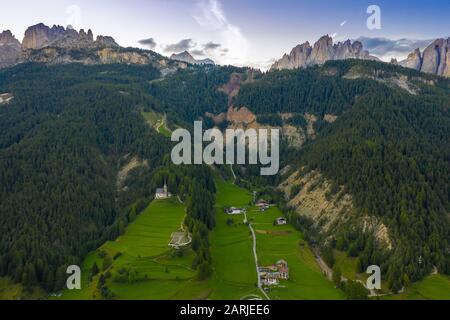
pixel 272 275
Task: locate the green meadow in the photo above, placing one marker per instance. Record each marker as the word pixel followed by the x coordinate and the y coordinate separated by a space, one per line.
pixel 347 265
pixel 158 122
pixel 140 264
pixel 284 242
pixel 231 248
pixel 434 287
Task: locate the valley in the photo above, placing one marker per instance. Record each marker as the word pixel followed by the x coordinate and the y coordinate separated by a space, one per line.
pixel 140 265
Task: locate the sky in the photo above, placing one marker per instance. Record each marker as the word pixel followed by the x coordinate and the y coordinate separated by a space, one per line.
pixel 241 32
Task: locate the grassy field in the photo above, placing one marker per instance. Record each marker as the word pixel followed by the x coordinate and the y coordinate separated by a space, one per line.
pixel 347 265
pixel 284 242
pixel 158 122
pixel 434 287
pixel 152 272
pixel 234 268
pixel 143 266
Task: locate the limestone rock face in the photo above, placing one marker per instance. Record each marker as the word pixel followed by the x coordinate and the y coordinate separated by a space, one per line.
pixel 435 58
pixel 323 50
pixel 413 61
pixel 41 36
pixel 105 42
pixel 297 59
pixel 447 68
pixel 431 57
pixel 59 45
pixel 7 38
pixel 9 49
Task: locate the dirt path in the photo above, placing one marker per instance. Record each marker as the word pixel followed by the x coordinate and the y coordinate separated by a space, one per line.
pixel 326 270
pixel 234 175
pixel 255 255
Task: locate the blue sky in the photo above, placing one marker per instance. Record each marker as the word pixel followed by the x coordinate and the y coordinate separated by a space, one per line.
pixel 241 32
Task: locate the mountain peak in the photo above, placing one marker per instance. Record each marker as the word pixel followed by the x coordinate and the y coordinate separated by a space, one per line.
pixel 322 51
pixel 435 59
pixel 40 36
pixel 185 56
pixel 9 49
pixel 7 38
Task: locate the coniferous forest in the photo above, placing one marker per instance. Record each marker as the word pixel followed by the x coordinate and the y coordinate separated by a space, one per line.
pixel 70 127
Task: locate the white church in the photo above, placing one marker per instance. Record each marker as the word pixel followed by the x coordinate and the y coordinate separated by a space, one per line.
pixel 163 193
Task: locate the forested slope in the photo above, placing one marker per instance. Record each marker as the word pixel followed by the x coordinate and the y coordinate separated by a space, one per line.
pixel 60 140
pixel 389 147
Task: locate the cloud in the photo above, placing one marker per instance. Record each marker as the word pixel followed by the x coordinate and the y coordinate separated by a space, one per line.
pixel 150 43
pixel 183 45
pixel 211 46
pixel 386 49
pixel 198 52
pixel 211 17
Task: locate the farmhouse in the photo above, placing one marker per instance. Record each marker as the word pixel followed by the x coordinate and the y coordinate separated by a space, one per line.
pixel 281 221
pixel 235 211
pixel 272 275
pixel 263 205
pixel 163 193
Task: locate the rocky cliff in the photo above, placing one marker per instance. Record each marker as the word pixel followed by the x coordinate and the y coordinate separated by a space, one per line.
pixel 9 49
pixel 435 59
pixel 305 55
pixel 41 36
pixel 58 45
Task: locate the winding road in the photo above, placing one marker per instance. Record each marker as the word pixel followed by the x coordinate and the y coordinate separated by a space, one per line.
pixel 255 255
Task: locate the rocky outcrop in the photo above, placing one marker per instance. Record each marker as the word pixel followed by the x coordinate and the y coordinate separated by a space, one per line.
pixel 323 50
pixel 413 61
pixel 187 57
pixel 435 59
pixel 240 116
pixel 311 195
pixel 54 55
pixel 9 49
pixel 57 45
pixel 41 36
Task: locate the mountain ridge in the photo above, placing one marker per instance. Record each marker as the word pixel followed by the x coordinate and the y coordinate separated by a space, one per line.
pixel 185 56
pixel 435 59
pixel 59 45
pixel 323 50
